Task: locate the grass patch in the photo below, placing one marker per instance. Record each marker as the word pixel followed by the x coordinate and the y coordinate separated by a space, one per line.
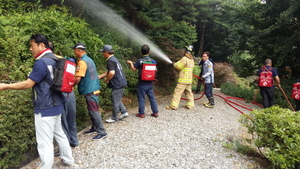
pixel 244 146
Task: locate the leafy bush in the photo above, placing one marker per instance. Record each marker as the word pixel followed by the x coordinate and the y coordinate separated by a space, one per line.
pixel 17 134
pixel 249 93
pixel 223 73
pixel 62 29
pixel 286 85
pixel 105 97
pixel 244 64
pixel 277 131
pixel 82 117
pixel 235 90
pixel 241 145
pixel 16 112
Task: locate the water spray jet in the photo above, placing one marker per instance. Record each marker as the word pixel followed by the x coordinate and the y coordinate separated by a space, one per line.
pixel 111 18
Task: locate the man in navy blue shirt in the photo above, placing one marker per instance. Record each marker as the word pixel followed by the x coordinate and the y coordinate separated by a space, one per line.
pixel 200 63
pixel 48 104
pixel 267 93
pixel 116 80
pixel 144 87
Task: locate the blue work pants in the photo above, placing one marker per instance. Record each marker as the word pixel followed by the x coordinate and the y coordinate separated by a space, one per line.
pixel 68 118
pixel 208 90
pixel 149 91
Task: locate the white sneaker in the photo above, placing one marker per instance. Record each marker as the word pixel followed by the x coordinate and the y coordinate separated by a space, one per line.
pixel 110 120
pixel 124 115
pixel 62 163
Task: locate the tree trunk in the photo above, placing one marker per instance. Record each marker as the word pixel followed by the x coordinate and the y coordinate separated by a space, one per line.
pixel 201 40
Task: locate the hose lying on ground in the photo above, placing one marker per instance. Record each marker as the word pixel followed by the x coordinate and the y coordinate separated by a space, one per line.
pixel 235 104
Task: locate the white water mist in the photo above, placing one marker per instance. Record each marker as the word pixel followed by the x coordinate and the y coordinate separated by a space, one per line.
pixel 105 14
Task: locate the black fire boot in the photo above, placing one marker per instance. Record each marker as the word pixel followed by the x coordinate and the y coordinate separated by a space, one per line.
pixel 211 102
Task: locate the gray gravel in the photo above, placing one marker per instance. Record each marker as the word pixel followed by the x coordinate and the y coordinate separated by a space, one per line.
pixel 176 139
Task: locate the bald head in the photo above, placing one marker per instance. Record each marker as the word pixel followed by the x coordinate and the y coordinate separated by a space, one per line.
pixel 268 61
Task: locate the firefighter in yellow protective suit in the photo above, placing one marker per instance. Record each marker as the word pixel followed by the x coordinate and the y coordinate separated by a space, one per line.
pixel 185 65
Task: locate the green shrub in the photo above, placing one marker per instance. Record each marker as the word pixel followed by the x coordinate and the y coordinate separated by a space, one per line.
pixel 286 85
pixel 241 145
pixel 16 111
pixel 105 97
pixel 244 64
pixel 248 93
pixel 82 114
pixel 223 73
pixel 197 70
pixel 17 134
pixel 244 92
pixel 277 131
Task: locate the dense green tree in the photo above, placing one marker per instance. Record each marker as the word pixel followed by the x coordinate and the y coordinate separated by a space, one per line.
pixel 224 27
pixel 266 30
pixel 154 19
pixel 279 33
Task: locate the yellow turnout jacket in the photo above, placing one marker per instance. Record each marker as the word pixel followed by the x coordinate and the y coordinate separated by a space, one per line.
pixel 185 65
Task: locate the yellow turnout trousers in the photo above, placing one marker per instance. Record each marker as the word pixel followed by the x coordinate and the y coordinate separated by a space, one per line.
pixel 183 88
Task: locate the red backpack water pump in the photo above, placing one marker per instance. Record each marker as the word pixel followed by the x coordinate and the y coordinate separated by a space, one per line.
pixel 266 77
pixel 296 91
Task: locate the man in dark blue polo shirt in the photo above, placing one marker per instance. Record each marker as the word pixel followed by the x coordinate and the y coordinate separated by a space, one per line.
pixel 116 80
pixel 267 93
pixel 144 87
pixel 48 104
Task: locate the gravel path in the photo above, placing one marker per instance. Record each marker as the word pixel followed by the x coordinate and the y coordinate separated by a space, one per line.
pixel 176 139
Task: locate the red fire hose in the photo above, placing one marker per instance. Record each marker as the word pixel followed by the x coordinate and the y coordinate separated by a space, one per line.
pixel 236 103
pixel 286 98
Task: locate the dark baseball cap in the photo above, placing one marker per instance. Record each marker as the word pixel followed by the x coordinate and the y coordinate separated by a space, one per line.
pixel 106 48
pixel 79 46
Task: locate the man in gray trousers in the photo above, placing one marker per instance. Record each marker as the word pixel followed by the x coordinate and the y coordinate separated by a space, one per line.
pixel 116 80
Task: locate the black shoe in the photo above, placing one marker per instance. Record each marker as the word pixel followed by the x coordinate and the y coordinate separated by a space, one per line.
pixel 99 136
pixel 73 145
pixel 90 131
pixel 56 153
